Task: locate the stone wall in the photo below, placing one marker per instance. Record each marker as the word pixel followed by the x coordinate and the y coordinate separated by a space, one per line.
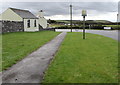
pixel 11 26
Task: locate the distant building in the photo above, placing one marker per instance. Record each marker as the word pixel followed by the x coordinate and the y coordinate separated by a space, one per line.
pixel 28 21
pixel 41 20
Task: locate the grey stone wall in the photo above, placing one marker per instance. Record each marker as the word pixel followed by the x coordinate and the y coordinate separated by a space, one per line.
pixel 11 26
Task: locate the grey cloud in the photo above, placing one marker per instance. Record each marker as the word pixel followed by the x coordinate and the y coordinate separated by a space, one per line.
pixel 98 6
pixel 62 8
pixel 119 7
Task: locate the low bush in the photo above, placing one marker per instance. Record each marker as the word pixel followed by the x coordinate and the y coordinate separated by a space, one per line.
pixel 81 27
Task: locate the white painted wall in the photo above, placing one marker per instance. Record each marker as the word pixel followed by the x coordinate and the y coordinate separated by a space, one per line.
pixel 40 13
pixel 9 15
pixel 31 28
pixel 43 22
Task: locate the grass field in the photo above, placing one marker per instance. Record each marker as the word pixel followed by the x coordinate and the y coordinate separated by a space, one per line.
pixel 113 26
pixel 93 60
pixel 18 45
pixel 56 25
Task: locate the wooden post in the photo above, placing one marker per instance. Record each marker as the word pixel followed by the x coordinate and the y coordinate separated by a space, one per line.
pixel 71 17
pixel 83 27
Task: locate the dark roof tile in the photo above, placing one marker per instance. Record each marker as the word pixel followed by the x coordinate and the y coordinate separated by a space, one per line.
pixel 24 13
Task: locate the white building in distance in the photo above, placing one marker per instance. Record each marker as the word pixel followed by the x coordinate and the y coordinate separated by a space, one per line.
pixel 42 21
pixel 29 20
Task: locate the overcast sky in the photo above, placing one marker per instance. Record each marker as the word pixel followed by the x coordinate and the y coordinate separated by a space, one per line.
pixel 60 10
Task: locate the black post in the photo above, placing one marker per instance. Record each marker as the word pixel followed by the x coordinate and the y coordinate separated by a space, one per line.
pixel 117 20
pixel 71 17
pixel 83 27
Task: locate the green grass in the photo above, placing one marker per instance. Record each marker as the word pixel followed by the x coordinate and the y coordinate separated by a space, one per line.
pixel 56 25
pixel 18 45
pixel 93 60
pixel 113 26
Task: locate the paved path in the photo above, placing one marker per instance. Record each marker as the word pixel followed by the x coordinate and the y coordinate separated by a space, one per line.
pixel 108 33
pixel 31 69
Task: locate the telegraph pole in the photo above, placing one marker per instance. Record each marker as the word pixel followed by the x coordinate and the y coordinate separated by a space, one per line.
pixel 118 15
pixel 71 17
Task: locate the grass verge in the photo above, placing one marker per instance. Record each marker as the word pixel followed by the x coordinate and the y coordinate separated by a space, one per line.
pixel 93 60
pixel 18 45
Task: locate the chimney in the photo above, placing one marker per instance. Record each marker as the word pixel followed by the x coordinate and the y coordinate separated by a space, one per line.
pixel 40 14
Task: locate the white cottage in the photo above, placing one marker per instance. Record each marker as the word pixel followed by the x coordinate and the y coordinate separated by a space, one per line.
pixel 29 20
pixel 41 19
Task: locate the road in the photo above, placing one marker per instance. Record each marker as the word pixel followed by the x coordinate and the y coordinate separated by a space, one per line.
pixel 108 33
pixel 112 34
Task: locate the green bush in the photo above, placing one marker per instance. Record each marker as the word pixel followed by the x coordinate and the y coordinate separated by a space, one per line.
pixel 81 27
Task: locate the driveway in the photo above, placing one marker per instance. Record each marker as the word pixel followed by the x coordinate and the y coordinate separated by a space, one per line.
pixel 108 33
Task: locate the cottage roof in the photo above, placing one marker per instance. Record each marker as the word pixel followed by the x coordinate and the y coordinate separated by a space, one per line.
pixel 24 13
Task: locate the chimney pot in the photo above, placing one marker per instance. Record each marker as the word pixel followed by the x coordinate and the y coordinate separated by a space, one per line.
pixel 41 10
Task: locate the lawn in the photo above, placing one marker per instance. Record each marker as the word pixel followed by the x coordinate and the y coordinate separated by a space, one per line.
pixel 18 45
pixel 56 25
pixel 113 26
pixel 93 60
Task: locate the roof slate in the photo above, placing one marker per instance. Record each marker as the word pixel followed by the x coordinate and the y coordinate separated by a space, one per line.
pixel 24 13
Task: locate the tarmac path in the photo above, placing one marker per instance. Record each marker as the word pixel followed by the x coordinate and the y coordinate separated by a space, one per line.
pixel 31 69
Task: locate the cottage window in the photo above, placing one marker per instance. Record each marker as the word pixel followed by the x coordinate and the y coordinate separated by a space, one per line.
pixel 28 23
pixel 35 23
